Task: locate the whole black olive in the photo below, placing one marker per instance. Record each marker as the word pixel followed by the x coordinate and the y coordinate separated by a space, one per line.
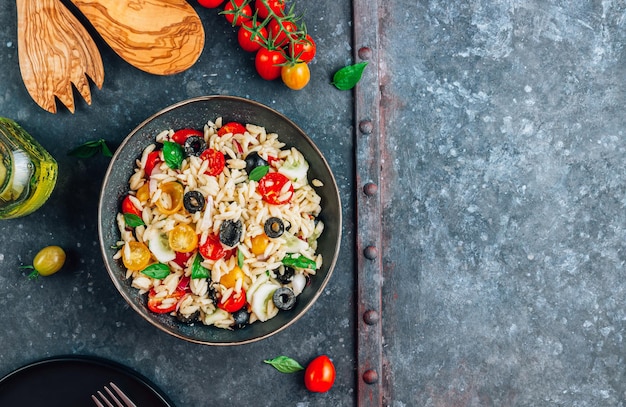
pixel 194 145
pixel 284 298
pixel 230 232
pixel 284 274
pixel 188 319
pixel 193 201
pixel 274 227
pixel 241 317
pixel 254 160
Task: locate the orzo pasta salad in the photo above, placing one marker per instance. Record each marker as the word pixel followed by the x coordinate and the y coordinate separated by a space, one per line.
pixel 220 225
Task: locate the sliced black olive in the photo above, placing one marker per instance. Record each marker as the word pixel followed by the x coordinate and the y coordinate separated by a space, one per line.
pixel 274 227
pixel 284 298
pixel 284 274
pixel 230 232
pixel 188 319
pixel 241 317
pixel 194 145
pixel 254 160
pixel 193 201
pixel 212 294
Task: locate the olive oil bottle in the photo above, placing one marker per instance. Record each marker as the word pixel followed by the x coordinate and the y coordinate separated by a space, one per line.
pixel 28 173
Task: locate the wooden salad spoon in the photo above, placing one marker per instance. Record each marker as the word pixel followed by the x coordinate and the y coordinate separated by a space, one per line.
pixel 54 52
pixel 161 37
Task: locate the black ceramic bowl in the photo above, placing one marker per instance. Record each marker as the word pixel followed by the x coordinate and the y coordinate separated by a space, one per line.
pixel 195 113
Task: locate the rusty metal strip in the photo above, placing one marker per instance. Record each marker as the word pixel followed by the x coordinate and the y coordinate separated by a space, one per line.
pixel 369 212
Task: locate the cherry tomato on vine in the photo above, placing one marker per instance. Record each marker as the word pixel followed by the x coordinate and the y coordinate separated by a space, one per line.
pixel 155 303
pixel 153 159
pixel 216 161
pixel 210 3
pixel 251 38
pixel 236 12
pixel 275 188
pixel 280 34
pixel 303 49
pixel 295 76
pixel 319 375
pixel 180 136
pixel 231 127
pixel 268 63
pixel 276 6
pixel 212 249
pixel 234 303
pixel 129 207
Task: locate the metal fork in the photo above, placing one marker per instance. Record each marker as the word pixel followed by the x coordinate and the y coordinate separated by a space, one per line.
pixel 112 397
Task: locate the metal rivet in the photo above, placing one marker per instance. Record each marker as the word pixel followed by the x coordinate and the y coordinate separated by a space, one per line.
pixel 365 53
pixel 370 189
pixel 370 252
pixel 371 317
pixel 370 376
pixel 366 126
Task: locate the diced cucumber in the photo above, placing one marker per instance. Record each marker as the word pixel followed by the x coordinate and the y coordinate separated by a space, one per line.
pixel 160 248
pixel 260 299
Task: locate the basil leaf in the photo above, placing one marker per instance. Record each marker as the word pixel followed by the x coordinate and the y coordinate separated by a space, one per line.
pixel 197 270
pixel 173 154
pixel 157 270
pixel 91 148
pixel 300 261
pixel 347 77
pixel 259 172
pixel 239 258
pixel 284 364
pixel 133 220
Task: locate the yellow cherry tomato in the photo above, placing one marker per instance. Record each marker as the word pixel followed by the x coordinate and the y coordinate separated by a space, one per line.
pixel 171 199
pixel 49 260
pixel 135 256
pixel 183 238
pixel 259 243
pixel 295 76
pixel 143 193
pixel 229 280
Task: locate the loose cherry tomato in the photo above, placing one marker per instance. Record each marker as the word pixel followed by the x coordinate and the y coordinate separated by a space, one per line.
pixel 229 280
pixel 171 199
pixel 182 258
pixel 319 375
pixel 271 188
pixel 236 12
pixel 216 161
pixel 153 159
pixel 296 76
pixel 210 3
pixel 183 238
pixel 276 6
pixel 47 261
pixel 268 63
pixel 231 127
pixel 250 37
pixel 280 34
pixel 212 249
pixel 129 207
pixel 155 304
pixel 303 49
pixel 180 136
pixel 135 256
pixel 234 303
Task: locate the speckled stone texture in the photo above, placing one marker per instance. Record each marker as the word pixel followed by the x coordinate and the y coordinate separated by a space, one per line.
pixel 78 311
pixel 504 202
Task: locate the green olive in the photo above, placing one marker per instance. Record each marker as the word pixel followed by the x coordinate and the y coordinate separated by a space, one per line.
pixel 49 260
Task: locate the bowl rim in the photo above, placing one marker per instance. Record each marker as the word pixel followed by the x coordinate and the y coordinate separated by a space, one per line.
pixel 117 282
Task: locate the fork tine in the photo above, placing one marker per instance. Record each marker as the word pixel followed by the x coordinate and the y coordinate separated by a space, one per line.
pixel 122 395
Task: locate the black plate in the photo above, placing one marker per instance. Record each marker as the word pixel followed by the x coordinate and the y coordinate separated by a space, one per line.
pixel 69 381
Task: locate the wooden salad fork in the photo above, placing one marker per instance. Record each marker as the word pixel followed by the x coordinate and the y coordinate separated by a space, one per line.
pixel 55 52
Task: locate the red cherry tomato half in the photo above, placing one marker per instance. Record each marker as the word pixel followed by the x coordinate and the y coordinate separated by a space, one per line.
pixel 210 3
pixel 155 304
pixel 231 127
pixel 303 49
pixel 271 188
pixel 276 6
pixel 180 136
pixel 280 35
pixel 216 160
pixel 129 207
pixel 319 375
pixel 182 258
pixel 236 12
pixel 234 303
pixel 268 63
pixel 251 38
pixel 153 159
pixel 212 249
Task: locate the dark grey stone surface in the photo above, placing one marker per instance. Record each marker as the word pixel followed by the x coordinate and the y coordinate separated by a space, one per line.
pixel 504 185
pixel 78 311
